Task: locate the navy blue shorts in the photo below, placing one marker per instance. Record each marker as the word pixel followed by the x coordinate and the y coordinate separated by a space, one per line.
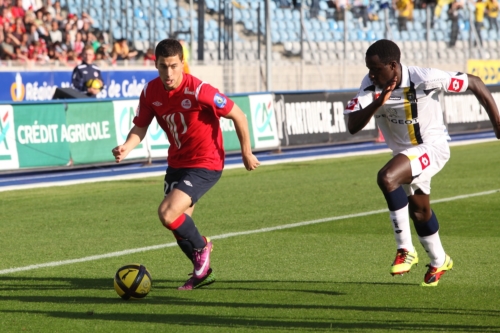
pixel 195 182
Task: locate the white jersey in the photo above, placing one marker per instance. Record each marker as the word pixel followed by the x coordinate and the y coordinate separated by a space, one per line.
pixel 413 114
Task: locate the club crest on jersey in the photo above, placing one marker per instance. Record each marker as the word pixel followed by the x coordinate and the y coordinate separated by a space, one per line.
pixel 352 103
pixel 456 85
pixel 424 161
pixel 186 104
pixel 411 97
pixel 219 100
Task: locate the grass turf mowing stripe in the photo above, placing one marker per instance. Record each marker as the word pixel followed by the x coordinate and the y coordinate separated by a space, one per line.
pixel 226 235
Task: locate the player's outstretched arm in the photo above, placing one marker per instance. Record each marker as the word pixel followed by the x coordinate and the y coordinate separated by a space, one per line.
pixel 134 137
pixel 483 95
pixel 358 120
pixel 241 125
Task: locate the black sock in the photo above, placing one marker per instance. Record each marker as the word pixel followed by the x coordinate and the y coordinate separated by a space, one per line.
pixel 186 247
pixel 186 230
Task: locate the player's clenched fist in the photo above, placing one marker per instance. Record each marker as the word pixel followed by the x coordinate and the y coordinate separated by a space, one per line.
pixel 119 152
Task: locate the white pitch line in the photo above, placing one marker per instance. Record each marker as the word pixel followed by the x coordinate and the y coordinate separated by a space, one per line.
pixel 227 235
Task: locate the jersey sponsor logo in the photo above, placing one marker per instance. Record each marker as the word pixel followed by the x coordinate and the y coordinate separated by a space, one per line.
pixel 186 104
pixel 398 121
pixel 219 101
pixel 187 92
pixel 352 104
pixel 157 103
pixel 424 161
pixel 456 84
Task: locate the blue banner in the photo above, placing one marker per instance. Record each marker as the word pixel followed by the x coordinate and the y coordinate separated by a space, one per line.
pixel 40 85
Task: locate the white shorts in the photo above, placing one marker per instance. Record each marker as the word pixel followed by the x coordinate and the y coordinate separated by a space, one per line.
pixel 426 160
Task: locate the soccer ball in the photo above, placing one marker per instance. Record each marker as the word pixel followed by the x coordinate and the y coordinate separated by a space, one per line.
pixel 94 83
pixel 132 281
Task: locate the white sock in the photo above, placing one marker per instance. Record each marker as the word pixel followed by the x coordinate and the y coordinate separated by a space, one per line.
pixel 434 248
pixel 401 227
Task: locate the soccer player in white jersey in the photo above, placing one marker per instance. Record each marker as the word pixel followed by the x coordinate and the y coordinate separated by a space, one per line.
pixel 405 103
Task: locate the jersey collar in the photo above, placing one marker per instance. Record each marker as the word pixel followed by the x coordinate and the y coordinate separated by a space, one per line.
pixel 405 77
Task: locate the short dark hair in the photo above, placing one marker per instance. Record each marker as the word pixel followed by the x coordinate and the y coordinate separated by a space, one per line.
pixel 386 50
pixel 169 48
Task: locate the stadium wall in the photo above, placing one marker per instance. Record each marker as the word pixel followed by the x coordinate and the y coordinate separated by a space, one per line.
pixel 232 77
pixel 63 134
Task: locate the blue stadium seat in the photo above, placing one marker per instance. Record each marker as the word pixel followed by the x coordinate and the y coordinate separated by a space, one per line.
pixel 332 24
pixel 165 13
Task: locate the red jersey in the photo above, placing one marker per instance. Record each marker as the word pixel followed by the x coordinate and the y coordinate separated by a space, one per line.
pixel 190 116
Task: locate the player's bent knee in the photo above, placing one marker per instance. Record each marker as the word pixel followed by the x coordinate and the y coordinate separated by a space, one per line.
pixel 164 216
pixel 420 216
pixel 384 181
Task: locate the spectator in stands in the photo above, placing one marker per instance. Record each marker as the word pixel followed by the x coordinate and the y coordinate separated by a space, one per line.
pixel 492 14
pixel 405 12
pixel 40 52
pixel 186 56
pixel 50 9
pixel 314 8
pixel 453 15
pixel 59 13
pixel 431 4
pixel 372 11
pixel 17 10
pixel 121 51
pixel 67 40
pixel 78 44
pixel 72 59
pixel 18 29
pixel 149 57
pixel 39 17
pixel 360 11
pixel 32 34
pixel 86 72
pixel 479 20
pixel 8 52
pixel 103 52
pixel 55 33
pixel 340 7
pixel 6 16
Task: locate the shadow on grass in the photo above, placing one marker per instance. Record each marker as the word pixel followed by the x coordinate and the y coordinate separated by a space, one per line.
pixel 182 298
pixel 233 322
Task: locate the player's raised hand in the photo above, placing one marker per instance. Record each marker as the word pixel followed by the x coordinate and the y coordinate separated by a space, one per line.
pixel 251 162
pixel 119 152
pixel 388 89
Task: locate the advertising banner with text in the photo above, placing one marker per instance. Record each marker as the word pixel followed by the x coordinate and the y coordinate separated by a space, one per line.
pixel 464 113
pixel 91 132
pixel 263 122
pixel 316 118
pixel 42 136
pixel 28 86
pixel 8 145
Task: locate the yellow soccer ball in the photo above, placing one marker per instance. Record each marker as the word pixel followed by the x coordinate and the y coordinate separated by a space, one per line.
pixel 94 83
pixel 132 281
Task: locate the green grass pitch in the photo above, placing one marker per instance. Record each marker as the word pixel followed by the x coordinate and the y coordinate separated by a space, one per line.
pixel 328 276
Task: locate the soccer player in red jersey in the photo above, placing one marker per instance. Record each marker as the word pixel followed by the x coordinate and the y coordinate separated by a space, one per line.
pixel 189 111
